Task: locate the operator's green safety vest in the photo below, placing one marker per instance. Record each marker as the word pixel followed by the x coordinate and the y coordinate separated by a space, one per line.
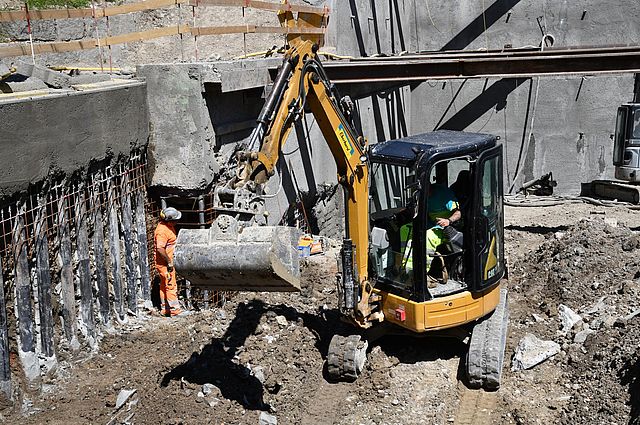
pixel 442 203
pixel 435 237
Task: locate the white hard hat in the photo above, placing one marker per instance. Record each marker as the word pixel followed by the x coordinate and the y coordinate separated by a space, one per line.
pixel 170 214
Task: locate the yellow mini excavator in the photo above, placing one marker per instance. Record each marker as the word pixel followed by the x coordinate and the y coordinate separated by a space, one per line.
pixel 386 283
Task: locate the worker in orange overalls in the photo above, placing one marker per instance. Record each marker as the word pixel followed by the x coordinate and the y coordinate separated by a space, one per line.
pixel 165 240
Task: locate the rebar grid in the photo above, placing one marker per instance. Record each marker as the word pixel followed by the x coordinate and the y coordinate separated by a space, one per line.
pixel 42 203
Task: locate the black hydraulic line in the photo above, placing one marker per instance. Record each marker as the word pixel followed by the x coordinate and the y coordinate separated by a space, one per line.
pixel 348 280
pixel 279 86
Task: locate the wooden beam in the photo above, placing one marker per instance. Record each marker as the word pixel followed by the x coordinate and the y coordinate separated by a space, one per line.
pixel 51 14
pixel 23 49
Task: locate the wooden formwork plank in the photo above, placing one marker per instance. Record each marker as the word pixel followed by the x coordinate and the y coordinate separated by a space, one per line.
pixel 145 35
pixel 262 5
pixel 231 29
pixel 139 7
pixel 51 14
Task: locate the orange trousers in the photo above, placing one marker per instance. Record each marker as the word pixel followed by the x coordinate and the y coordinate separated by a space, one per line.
pixel 169 304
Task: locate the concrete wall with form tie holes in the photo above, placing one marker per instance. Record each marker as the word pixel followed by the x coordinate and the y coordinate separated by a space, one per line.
pixel 572 116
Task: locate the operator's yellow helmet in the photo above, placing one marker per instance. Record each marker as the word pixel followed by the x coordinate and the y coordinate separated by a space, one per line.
pixel 170 214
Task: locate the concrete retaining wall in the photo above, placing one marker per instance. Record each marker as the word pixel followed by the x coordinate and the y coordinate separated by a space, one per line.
pixel 64 130
pixel 574 116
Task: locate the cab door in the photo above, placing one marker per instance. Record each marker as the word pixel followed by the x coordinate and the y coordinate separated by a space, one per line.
pixel 488 221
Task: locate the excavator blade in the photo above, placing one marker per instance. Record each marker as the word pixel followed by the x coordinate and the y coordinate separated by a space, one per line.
pixel 230 258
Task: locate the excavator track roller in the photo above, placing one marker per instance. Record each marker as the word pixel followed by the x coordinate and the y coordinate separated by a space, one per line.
pixel 346 357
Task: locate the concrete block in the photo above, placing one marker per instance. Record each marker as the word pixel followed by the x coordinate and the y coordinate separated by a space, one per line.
pixel 568 317
pixel 531 351
pixel 21 86
pixel 51 78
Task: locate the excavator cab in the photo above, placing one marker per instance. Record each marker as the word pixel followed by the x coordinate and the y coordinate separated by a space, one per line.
pixel 407 178
pixel 626 149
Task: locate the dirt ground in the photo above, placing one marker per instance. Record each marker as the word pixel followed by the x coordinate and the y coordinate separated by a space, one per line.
pixel 264 353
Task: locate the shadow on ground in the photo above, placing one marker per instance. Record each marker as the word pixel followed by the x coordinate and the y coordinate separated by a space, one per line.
pixel 215 362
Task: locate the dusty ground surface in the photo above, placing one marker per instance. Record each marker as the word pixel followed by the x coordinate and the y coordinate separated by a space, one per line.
pixel 265 352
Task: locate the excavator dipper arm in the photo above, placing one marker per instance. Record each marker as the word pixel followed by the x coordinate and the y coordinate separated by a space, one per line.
pixel 214 257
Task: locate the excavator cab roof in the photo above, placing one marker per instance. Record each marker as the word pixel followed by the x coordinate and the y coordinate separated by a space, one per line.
pixel 433 146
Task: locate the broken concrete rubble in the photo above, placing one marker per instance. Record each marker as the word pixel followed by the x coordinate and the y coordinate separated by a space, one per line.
pixel 532 351
pixel 568 318
pixel 123 396
pixel 267 419
pixel 51 78
pixel 582 336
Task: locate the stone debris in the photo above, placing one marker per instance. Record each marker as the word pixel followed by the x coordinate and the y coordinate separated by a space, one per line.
pixel 258 373
pixel 267 419
pixel 208 389
pixel 582 336
pixel 282 321
pixel 123 396
pixel 532 351
pixel 568 318
pixel 51 78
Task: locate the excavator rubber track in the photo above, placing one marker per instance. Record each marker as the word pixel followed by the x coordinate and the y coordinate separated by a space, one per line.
pixel 487 346
pixel 346 357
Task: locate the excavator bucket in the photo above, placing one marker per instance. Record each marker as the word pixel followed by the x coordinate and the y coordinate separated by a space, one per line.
pixel 230 258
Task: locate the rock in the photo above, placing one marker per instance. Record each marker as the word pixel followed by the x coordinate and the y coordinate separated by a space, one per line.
pixel 214 402
pixel 282 321
pixel 395 402
pixel 532 351
pixel 598 306
pixel 610 221
pixel 123 396
pixel 267 419
pixel 258 373
pixel 537 318
pixel 582 336
pixel 632 315
pixel 208 389
pixel 568 317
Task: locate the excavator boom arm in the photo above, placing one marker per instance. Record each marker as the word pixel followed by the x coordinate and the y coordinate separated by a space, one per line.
pixel 308 86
